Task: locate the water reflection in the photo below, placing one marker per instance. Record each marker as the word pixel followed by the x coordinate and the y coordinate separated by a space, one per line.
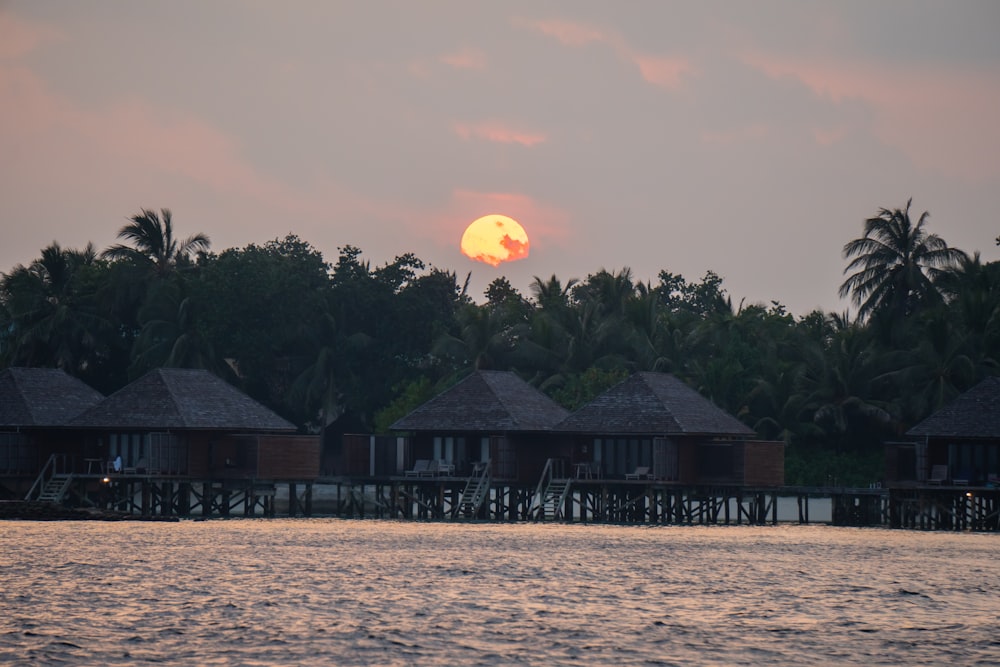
pixel 320 592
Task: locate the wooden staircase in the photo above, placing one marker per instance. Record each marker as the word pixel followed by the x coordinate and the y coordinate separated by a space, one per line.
pixel 55 489
pixel 51 485
pixel 476 489
pixel 550 496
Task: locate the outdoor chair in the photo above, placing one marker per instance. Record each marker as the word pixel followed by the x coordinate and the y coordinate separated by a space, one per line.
pixel 964 477
pixel 420 468
pixel 939 474
pixel 641 472
pixel 445 468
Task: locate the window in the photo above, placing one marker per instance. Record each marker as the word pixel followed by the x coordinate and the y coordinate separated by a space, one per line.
pixel 153 452
pixel 619 456
pixel 14 453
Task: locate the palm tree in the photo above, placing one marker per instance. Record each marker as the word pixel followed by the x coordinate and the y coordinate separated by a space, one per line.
pixel 653 335
pixel 896 264
pixel 937 370
pixel 974 302
pixel 837 389
pixel 52 317
pixel 170 336
pixel 551 293
pixel 487 338
pixel 609 291
pixel 153 243
pixel 318 386
pixel 552 323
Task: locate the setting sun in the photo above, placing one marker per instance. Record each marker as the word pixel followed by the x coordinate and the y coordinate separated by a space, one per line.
pixel 494 239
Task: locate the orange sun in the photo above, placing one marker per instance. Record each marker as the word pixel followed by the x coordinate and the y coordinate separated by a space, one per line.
pixel 495 238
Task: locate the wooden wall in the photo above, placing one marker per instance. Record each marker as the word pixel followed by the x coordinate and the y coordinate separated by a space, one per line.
pixel 291 457
pixel 764 463
pixel 687 461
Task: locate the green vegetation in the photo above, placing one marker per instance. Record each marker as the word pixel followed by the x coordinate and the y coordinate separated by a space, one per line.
pixel 348 347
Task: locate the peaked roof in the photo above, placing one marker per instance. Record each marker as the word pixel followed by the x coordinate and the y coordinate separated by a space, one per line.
pixel 974 414
pixel 653 403
pixel 42 397
pixel 179 398
pixel 486 401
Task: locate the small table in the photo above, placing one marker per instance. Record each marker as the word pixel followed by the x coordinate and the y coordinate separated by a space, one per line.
pixel 584 471
pixel 90 465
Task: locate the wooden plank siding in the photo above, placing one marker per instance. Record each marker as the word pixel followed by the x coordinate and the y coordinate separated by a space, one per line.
pixel 764 463
pixel 288 457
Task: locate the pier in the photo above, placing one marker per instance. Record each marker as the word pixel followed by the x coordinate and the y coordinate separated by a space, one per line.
pixel 447 497
pixel 638 502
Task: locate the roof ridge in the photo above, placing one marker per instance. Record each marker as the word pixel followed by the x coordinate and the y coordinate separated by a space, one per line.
pixel 173 396
pixel 19 392
pixel 682 420
pixel 499 397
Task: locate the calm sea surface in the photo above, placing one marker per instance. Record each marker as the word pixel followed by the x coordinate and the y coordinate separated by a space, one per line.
pixel 338 592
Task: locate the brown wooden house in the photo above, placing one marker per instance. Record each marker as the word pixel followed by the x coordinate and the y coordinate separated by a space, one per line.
pixel 488 416
pixel 957 445
pixel 36 404
pixel 654 426
pixel 190 423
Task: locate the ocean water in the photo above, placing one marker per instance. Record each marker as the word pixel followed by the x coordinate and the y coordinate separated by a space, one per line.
pixel 346 592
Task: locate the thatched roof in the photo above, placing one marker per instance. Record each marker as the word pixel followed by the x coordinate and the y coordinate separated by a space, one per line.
pixel 175 398
pixel 42 397
pixel 653 404
pixel 493 401
pixel 974 414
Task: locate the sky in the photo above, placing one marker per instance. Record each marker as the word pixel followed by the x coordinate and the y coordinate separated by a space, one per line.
pixel 751 139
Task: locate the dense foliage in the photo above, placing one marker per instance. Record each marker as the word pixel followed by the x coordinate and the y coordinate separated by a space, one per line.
pixel 348 347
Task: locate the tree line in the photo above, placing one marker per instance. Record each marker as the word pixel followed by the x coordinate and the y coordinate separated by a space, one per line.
pixel 348 347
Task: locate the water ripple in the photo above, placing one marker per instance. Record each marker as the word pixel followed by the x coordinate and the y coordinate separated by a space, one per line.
pixel 320 592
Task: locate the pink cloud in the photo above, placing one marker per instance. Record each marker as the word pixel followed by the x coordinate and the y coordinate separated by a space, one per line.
pixel 19 37
pixel 498 133
pixel 941 118
pixel 827 136
pixel 569 33
pixel 465 59
pixel 661 71
pixel 128 150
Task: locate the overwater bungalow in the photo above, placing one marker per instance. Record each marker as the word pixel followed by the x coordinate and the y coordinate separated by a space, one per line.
pixel 36 404
pixel 490 416
pixel 646 450
pixel 654 426
pixel 959 444
pixel 189 422
pixel 170 442
pixel 947 475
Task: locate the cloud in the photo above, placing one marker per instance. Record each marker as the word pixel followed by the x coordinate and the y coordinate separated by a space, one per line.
pixel 473 59
pixel 663 72
pixel 941 118
pixel 498 132
pixel 657 70
pixel 467 59
pixel 19 37
pixel 126 153
pixel 570 33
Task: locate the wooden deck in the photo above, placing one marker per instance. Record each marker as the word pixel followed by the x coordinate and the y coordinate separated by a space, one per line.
pixel 580 500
